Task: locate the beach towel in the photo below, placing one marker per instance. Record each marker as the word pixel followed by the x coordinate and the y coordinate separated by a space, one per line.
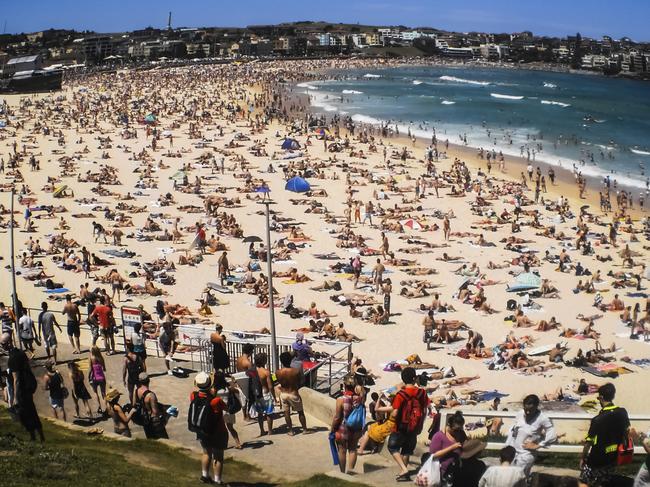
pixel 491 395
pixel 219 288
pixel 57 290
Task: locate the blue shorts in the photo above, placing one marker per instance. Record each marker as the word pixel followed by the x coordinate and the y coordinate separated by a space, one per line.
pixel 56 402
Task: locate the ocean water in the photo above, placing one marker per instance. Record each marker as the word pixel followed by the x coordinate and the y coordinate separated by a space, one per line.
pixel 599 125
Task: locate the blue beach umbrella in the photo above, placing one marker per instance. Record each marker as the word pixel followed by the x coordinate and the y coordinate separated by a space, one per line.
pixel 297 185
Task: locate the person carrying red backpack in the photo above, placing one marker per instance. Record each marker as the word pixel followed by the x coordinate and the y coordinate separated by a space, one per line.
pixel 410 407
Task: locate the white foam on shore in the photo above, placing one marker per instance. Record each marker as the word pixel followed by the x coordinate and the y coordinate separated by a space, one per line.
pixel 454 79
pixel 366 119
pixel 506 97
pixel 557 103
pixel 640 152
pixel 352 92
pixel 321 101
pixel 447 102
pixel 370 75
pixel 479 140
pixel 549 85
pixel 417 82
pixel 307 85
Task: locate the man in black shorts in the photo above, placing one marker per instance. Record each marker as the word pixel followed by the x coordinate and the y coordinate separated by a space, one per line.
pixel 607 430
pixel 74 318
pixel 402 442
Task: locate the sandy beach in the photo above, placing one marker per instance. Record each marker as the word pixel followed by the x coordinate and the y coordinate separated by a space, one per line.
pixel 94 138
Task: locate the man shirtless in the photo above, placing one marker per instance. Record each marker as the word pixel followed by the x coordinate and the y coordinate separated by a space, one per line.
pixel 74 319
pixel 377 275
pixel 290 380
pixel 265 404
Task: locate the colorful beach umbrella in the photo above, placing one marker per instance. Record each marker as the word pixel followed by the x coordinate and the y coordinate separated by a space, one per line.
pixel 150 118
pixel 411 223
pixel 297 185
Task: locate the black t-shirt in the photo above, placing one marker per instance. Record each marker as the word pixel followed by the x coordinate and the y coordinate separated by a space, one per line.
pixel 606 432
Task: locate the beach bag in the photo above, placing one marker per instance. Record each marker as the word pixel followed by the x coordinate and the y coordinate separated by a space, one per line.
pixel 429 473
pixel 625 452
pixel 234 404
pixel 200 417
pixel 411 414
pixel 356 420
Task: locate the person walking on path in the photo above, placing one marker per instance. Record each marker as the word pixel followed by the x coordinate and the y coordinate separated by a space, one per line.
pixel 532 431
pixel 131 370
pixel 347 432
pixel 46 334
pixel 79 390
pixel 120 419
pixel 53 383
pixel 153 417
pixel 74 319
pixel 290 379
pixel 97 377
pixel 23 386
pixel 607 430
pixel 409 411
pixel 104 316
pixel 27 332
pixel 205 418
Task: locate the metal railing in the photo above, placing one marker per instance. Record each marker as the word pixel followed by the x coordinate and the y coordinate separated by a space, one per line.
pixel 553 416
pixel 325 377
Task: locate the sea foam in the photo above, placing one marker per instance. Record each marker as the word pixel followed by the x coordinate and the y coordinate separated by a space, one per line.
pixel 352 92
pixel 557 103
pixel 506 97
pixel 463 80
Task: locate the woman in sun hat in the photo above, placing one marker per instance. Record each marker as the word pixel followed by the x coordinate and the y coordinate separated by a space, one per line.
pixel 121 419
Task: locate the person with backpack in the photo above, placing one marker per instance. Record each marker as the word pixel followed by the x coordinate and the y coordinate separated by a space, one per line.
pixel 152 413
pixel 349 422
pixel 23 385
pixel 607 435
pixel 53 383
pixel 132 368
pixel 410 406
pixel 205 418
pixel 446 447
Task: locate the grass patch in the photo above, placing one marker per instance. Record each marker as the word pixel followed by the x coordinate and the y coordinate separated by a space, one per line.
pixel 70 457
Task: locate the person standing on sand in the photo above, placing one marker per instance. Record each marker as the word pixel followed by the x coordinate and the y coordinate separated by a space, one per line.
pixel 356 269
pixel 223 268
pixel 446 227
pixel 385 246
pixel 369 209
pixel 290 380
pixel 387 288
pixel 377 275
pixel 74 319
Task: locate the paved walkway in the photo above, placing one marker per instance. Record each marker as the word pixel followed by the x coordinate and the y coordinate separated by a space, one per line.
pixel 280 456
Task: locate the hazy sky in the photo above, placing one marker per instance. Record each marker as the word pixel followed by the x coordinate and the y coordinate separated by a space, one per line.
pixel 547 17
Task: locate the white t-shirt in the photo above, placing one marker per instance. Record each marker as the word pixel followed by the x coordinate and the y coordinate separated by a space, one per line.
pixel 503 476
pixel 25 324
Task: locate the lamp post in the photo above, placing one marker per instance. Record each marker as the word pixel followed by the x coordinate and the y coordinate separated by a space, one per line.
pixel 14 295
pixel 269 270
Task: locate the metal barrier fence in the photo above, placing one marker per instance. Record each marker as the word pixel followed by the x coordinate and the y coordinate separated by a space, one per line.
pixel 553 416
pixel 326 377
